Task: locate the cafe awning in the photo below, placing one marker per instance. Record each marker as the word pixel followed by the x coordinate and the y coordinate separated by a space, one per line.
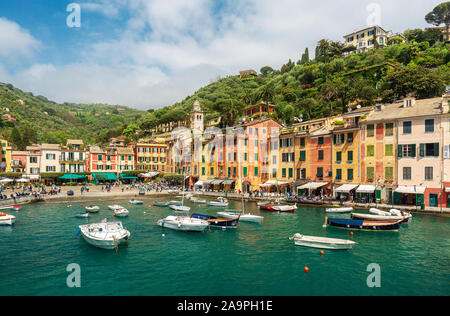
pixel 127 176
pixel 216 182
pixel 312 185
pixel 273 183
pixel 105 176
pixel 346 188
pixel 411 189
pixel 228 182
pixel 199 183
pixel 366 189
pixel 71 176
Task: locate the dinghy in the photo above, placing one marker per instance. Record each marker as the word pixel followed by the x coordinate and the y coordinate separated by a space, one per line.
pixel 198 201
pixel 82 215
pixel 93 209
pixel 221 202
pixel 104 235
pixel 11 207
pixel 136 202
pixel 114 207
pixel 180 208
pixel 395 212
pixel 161 203
pixel 340 210
pixel 6 219
pixel 322 242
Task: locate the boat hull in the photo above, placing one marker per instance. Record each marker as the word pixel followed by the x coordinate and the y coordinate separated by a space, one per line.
pixel 404 220
pixel 364 224
pixel 218 222
pixel 218 204
pixel 7 220
pixel 340 210
pixel 104 244
pixel 276 208
pixel 185 225
pixel 104 235
pixel 243 218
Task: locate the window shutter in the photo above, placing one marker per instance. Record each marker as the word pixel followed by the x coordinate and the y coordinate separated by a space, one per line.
pixel 436 150
pixel 414 150
pixel 422 150
pixel 447 151
pixel 400 151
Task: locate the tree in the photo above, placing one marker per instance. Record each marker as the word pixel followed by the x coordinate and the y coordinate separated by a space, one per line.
pixel 266 70
pixel 322 49
pixel 440 15
pixel 16 139
pixel 305 57
pixel 266 93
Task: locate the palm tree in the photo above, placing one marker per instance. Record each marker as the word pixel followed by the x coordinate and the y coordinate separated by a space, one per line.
pixel 266 93
pixel 323 47
pixel 328 94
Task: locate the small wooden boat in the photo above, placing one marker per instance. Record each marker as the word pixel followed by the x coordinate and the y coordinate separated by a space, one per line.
pixel 6 219
pixel 11 207
pixel 322 242
pixel 373 217
pixel 218 222
pixel 136 202
pixel 279 208
pixel 363 224
pixel 82 215
pixel 340 210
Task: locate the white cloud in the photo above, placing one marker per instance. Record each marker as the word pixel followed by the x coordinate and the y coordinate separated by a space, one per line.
pixel 15 41
pixel 167 49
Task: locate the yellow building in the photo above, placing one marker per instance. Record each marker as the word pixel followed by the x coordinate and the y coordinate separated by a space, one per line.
pixel 5 156
pixel 369 38
pixel 286 158
pixel 345 153
pixel 150 157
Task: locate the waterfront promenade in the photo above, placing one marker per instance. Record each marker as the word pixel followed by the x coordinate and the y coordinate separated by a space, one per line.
pixel 116 193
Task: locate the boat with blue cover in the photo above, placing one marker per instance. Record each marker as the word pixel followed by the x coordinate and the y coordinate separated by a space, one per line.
pixel 218 222
pixel 363 224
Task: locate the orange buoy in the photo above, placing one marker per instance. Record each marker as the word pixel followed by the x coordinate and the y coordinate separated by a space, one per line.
pixel 322 252
pixel 351 234
pixel 306 269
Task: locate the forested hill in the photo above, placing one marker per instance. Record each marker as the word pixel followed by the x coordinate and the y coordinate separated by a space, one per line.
pixel 43 121
pixel 326 85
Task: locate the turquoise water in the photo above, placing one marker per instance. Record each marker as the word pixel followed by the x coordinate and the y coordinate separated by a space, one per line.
pixel 251 260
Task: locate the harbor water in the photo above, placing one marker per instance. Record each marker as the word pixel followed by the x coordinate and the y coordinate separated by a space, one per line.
pixel 252 260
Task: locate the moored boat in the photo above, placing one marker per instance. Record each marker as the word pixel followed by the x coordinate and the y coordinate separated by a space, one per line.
pixel 379 212
pixel 279 208
pixel 161 203
pixel 322 242
pixel 180 208
pixel 221 202
pixel 82 215
pixel 183 223
pixel 363 224
pixel 198 201
pixel 121 212
pixel 244 217
pixel 92 209
pixel 136 202
pixel 404 219
pixel 263 203
pixel 114 207
pixel 219 222
pixel 6 219
pixel 340 210
pixel 104 235
pixel 11 207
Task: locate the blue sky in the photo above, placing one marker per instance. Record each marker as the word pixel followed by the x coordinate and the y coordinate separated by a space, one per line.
pixel 152 53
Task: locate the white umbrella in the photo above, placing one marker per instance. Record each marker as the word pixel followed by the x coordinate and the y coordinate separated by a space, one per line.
pixel 6 180
pixel 23 180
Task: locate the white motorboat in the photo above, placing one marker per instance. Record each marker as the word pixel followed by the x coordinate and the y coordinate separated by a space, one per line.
pixel 243 218
pixel 180 208
pixel 92 209
pixel 322 242
pixel 379 217
pixel 82 215
pixel 221 202
pixel 136 202
pixel 175 203
pixel 121 212
pixel 279 208
pixel 6 219
pixel 395 212
pixel 189 196
pixel 183 223
pixel 340 210
pixel 379 212
pixel 114 207
pixel 104 235
pixel 11 207
pixel 198 201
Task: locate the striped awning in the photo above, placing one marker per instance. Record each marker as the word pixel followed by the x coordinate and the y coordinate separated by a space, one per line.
pixel 216 182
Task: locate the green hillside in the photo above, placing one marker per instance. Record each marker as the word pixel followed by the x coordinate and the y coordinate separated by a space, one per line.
pixel 44 121
pixel 327 84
